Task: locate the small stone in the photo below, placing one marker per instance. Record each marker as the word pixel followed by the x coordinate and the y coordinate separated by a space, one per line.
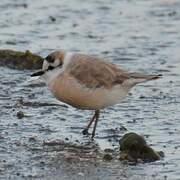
pixel 67 139
pixel 75 25
pixel 107 157
pixel 142 97
pixel 122 128
pixel 108 150
pixel 42 162
pixel 20 114
pixel 32 139
pixel 77 140
pixel 25 5
pixel 105 52
pixel 161 153
pixel 53 19
pixel 91 36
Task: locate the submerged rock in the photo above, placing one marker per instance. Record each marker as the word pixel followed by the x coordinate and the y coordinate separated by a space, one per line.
pixel 133 147
pixel 20 60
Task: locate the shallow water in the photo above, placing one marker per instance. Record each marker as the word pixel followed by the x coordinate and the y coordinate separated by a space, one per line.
pixel 139 35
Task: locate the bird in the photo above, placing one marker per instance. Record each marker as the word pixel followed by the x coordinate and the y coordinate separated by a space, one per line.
pixel 88 82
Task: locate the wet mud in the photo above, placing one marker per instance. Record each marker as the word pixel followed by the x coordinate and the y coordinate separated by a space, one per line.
pixel 40 138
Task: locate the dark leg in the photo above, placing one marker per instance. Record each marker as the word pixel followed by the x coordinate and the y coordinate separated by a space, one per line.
pixel 85 131
pixel 97 113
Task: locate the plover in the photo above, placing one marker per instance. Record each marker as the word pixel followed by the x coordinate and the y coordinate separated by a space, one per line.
pixel 88 82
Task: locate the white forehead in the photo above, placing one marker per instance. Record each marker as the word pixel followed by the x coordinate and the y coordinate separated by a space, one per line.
pixel 45 65
pixel 55 63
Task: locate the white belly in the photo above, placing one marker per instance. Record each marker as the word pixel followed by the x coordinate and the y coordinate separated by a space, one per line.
pixel 115 95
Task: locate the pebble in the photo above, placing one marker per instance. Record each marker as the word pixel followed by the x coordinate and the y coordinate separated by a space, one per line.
pixel 20 114
pixel 67 139
pixel 75 24
pixel 53 19
pixel 32 139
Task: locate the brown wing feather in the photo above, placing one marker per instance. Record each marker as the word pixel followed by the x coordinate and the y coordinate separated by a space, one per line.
pixel 94 73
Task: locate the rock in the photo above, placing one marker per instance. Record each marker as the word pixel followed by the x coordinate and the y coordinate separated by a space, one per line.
pixel 134 147
pixel 32 139
pixel 132 141
pixel 148 154
pixel 20 114
pixel 20 60
pixel 53 19
pixel 18 174
pixel 67 139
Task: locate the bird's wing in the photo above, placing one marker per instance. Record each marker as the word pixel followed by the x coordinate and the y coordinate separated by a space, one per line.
pixel 93 72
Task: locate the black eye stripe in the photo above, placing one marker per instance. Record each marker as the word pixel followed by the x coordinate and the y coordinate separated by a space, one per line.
pixel 50 68
pixel 49 59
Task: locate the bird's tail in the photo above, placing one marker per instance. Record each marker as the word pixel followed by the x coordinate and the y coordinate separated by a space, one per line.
pixel 145 77
pixel 136 78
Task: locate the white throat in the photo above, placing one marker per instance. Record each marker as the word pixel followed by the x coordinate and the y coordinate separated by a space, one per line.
pixel 50 75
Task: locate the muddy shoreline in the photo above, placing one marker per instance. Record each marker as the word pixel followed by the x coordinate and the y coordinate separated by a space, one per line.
pixel 140 36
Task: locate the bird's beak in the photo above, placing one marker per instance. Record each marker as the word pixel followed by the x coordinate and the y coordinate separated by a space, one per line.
pixel 39 73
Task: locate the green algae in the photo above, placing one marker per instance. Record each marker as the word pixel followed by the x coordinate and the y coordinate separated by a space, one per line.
pixel 20 60
pixel 133 147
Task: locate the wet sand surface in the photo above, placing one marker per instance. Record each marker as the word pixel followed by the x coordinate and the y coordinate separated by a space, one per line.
pixel 47 142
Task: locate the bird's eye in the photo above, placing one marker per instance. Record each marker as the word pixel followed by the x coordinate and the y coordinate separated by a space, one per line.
pixel 50 59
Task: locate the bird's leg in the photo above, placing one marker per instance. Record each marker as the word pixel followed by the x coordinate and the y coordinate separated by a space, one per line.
pixel 85 131
pixel 97 113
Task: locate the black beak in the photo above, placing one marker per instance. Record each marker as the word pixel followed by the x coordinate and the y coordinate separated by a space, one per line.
pixel 39 73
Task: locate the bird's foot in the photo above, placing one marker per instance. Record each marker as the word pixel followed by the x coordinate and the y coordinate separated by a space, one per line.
pixel 85 132
pixel 92 138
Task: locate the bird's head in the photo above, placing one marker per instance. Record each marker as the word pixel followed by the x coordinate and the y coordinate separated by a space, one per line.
pixel 52 62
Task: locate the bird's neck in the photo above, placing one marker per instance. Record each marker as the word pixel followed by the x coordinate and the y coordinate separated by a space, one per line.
pixel 49 76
